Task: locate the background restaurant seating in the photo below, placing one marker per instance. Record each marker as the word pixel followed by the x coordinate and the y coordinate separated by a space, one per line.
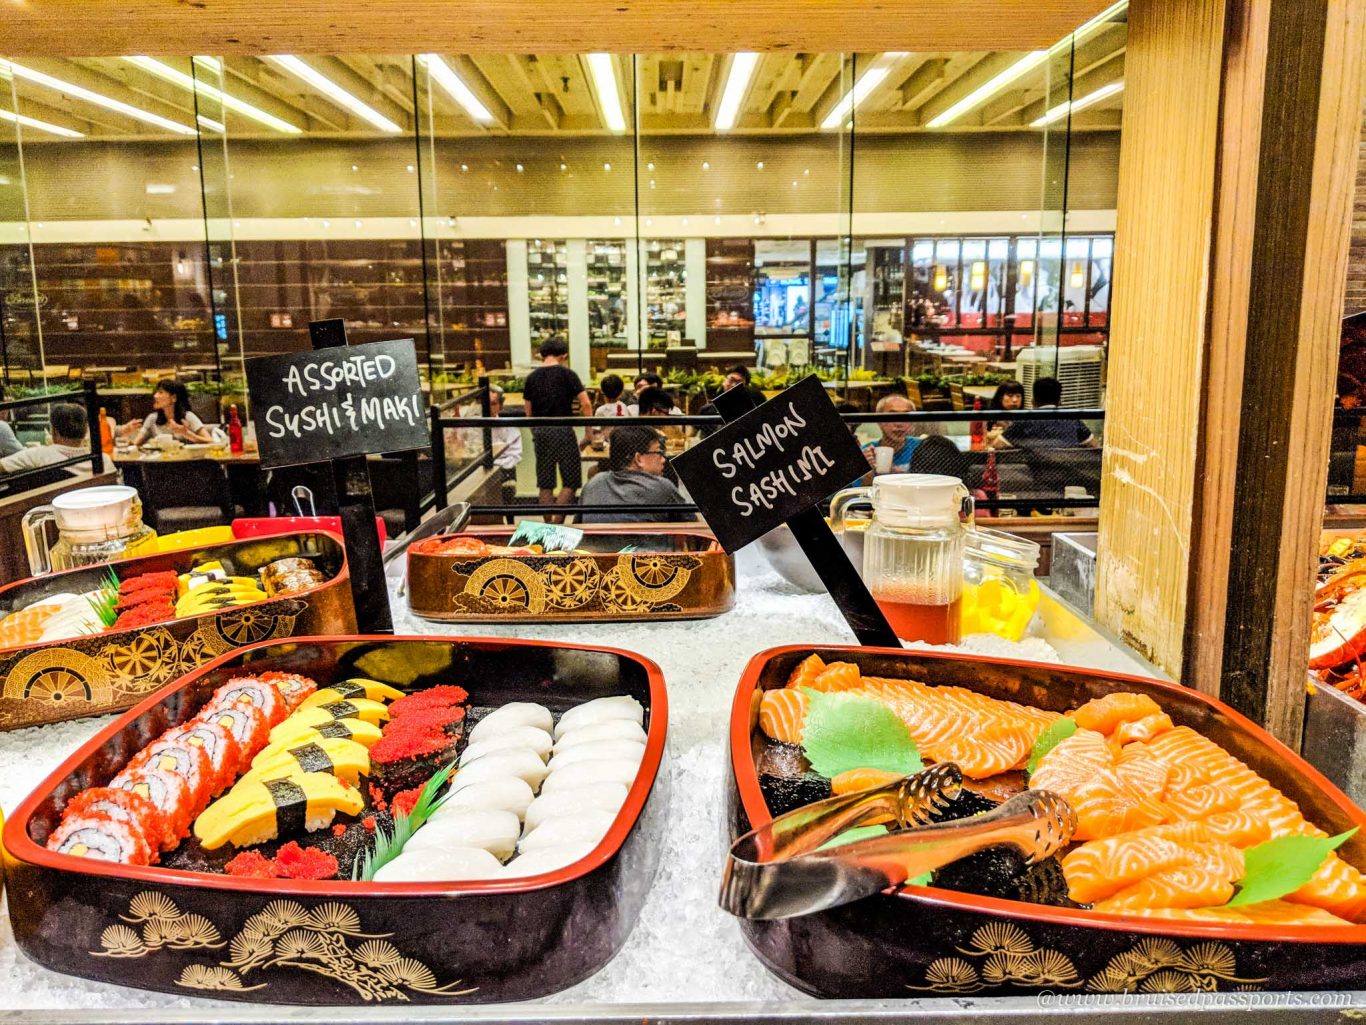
pixel 182 494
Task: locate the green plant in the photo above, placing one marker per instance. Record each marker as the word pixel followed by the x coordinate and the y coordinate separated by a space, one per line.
pixel 33 391
pixel 984 379
pixel 929 382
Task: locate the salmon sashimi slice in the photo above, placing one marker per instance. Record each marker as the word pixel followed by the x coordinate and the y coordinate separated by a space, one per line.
pixel 1183 887
pixel 1142 729
pixel 1141 770
pixel 1336 887
pixel 811 667
pixel 1073 763
pixel 1238 827
pixel 987 751
pixel 782 715
pixel 862 779
pixel 26 626
pixel 1199 800
pixel 1102 868
pixel 837 676
pixel 1083 771
pixel 1103 714
pixel 1283 912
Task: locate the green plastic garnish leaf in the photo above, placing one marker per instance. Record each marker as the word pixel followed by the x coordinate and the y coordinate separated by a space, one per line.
pixel 1050 738
pixel 389 844
pixel 1282 866
pixel 863 833
pixel 848 731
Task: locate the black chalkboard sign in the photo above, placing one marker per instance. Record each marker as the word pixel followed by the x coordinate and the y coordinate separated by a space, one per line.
pixel 337 402
pixel 778 460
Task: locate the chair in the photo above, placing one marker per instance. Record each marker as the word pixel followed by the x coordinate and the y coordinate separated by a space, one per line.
pixel 167 487
pixel 956 395
pixel 913 393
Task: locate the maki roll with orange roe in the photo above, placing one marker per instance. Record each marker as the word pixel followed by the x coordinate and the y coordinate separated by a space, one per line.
pixel 248 726
pixel 123 806
pixel 443 696
pixel 218 743
pixel 102 837
pixel 169 792
pixel 249 690
pixel 166 580
pixel 295 688
pixel 187 760
pixel 421 735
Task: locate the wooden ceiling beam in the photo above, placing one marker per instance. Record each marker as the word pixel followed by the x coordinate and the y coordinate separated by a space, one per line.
pixel 495 26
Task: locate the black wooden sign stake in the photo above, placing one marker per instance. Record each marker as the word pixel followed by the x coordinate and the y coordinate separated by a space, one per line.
pixel 828 557
pixel 356 503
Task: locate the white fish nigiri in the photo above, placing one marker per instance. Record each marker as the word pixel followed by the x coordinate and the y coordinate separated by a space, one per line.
pixel 433 865
pixel 598 770
pixel 510 793
pixel 520 762
pixel 605 797
pixel 619 706
pixel 451 828
pixel 585 827
pixel 531 737
pixel 610 729
pixel 548 859
pixel 624 749
pixel 514 713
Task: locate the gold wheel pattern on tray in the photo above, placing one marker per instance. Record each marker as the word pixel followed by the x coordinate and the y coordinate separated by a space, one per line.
pixel 508 585
pixel 195 650
pixel 142 662
pixel 570 583
pixel 655 576
pixel 619 596
pixel 234 629
pixel 59 676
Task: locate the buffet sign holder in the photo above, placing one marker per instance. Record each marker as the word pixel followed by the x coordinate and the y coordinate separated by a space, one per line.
pixel 307 405
pixel 798 440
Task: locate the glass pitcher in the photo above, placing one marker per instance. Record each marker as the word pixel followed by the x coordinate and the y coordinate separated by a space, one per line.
pixel 94 525
pixel 913 551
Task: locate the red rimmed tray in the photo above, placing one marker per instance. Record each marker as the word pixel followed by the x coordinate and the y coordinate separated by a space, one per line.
pixel 110 671
pixel 673 574
pixel 340 942
pixel 934 941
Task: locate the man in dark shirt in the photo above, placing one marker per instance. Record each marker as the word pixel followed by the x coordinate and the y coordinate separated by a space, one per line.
pixel 1036 434
pixel 552 389
pixel 637 478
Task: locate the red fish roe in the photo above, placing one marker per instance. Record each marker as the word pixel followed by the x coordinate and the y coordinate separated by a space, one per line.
pixel 415 734
pixel 403 801
pixel 165 580
pixel 295 862
pixel 368 822
pixel 252 865
pixel 339 829
pixel 433 697
pixel 145 614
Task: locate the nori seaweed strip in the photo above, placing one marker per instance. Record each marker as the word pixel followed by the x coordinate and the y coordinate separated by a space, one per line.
pixel 291 806
pixel 348 690
pixel 335 728
pixel 341 710
pixel 311 758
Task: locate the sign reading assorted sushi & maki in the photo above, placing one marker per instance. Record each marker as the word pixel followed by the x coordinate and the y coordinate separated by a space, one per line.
pixel 337 402
pixel 774 462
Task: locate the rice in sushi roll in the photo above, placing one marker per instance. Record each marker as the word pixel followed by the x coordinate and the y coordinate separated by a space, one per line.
pixel 248 726
pixel 531 737
pixel 608 729
pixel 372 690
pixel 254 812
pixel 603 797
pixel 619 706
pixel 248 690
pixel 514 713
pixel 494 831
pixel 101 837
pixel 440 866
pixel 218 743
pixel 183 758
pixel 122 806
pixel 625 749
pixel 511 793
pixel 169 793
pixel 293 686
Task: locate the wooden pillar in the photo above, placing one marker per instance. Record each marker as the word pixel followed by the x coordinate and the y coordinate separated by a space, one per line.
pixel 1237 165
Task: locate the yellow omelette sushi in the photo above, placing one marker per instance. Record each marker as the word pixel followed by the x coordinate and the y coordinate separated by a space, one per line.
pixel 293 732
pixel 343 758
pixel 372 690
pixel 364 709
pixel 255 811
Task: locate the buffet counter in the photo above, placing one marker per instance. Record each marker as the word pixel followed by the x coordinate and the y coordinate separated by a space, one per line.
pixel 686 957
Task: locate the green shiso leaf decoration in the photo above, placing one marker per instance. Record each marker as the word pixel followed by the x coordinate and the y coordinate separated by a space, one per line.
pixel 1049 739
pixel 848 731
pixel 389 845
pixel 1281 866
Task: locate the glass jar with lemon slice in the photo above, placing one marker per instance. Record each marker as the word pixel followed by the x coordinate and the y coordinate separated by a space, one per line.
pixel 1000 593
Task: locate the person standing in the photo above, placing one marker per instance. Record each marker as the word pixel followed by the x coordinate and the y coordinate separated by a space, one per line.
pixel 552 389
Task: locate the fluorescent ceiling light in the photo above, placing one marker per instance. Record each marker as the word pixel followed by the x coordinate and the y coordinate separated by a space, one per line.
pixel 1022 67
pixel 455 85
pixel 1090 99
pixel 334 92
pixel 742 67
pixel 188 82
pixel 867 82
pixel 605 83
pixel 211 124
pixel 99 99
pixel 42 126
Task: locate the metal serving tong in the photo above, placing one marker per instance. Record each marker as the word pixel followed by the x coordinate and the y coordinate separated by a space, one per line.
pixel 780 871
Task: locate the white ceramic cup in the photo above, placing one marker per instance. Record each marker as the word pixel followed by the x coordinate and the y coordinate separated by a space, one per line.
pixel 882 458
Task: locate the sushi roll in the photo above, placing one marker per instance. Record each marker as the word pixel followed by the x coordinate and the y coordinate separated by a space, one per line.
pixel 357 688
pixel 494 831
pixel 218 743
pixel 628 750
pixel 293 686
pixel 123 806
pixel 441 696
pixel 508 794
pixel 440 866
pixel 514 713
pixel 291 732
pixel 355 708
pixel 619 706
pixel 604 797
pixel 169 793
pixel 248 726
pixel 548 859
pixel 609 729
pixel 585 827
pixel 598 770
pixel 248 690
pixel 184 759
pixel 101 837
pixel 535 739
pixel 344 759
pixel 254 811
pixel 523 763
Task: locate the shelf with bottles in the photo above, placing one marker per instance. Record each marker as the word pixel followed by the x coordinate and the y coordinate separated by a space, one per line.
pixel 547 288
pixel 730 291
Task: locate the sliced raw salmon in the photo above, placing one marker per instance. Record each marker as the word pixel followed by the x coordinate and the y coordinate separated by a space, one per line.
pixel 1102 868
pixel 1185 886
pixel 26 626
pixel 862 779
pixel 811 667
pixel 1083 770
pixel 1200 800
pixel 1103 714
pixel 1238 827
pixel 1284 912
pixel 1142 729
pixel 782 715
pixel 836 676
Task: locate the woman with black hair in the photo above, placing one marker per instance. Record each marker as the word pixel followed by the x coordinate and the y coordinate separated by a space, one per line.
pixel 1009 395
pixel 171 415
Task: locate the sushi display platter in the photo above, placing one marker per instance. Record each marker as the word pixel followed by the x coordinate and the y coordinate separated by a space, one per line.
pixel 166 614
pixel 622 573
pixel 361 820
pixel 1098 912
